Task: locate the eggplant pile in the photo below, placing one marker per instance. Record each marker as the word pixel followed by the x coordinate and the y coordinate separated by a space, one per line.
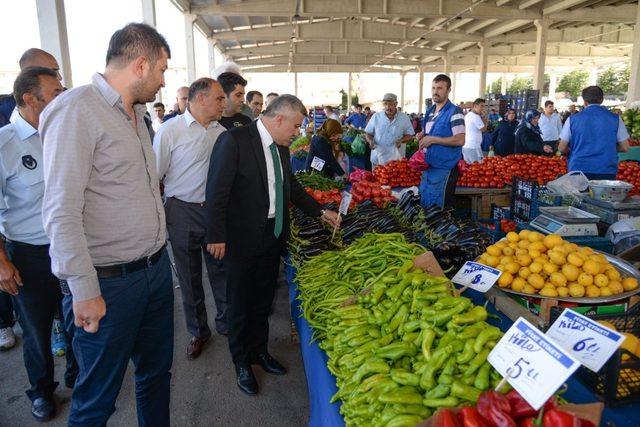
pixel 369 218
pixel 309 236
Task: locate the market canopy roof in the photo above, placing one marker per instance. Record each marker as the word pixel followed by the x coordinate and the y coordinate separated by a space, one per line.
pixel 402 35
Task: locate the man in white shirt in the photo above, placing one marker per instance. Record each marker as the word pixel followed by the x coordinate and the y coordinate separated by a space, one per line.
pixel 183 148
pixel 474 124
pixel 330 113
pixel 550 125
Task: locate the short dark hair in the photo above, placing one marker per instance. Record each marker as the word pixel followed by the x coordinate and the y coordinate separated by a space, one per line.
pixel 28 81
pixel 511 110
pixel 202 85
pixel 367 108
pixel 158 105
pixel 358 105
pixel 547 103
pixel 272 94
pixel 253 93
pixel 285 102
pixel 229 81
pixel 478 101
pixel 134 40
pixel 593 94
pixel 443 78
pixel 329 108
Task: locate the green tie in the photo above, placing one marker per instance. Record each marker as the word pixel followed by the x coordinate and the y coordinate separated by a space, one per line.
pixel 277 229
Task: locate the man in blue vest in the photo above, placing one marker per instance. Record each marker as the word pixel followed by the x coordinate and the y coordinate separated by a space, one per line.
pixel 593 137
pixel 443 138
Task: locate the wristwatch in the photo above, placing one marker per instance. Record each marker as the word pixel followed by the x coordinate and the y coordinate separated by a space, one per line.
pixel 322 212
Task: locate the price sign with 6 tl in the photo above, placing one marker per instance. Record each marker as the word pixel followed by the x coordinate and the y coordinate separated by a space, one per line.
pixel 531 362
pixel 317 163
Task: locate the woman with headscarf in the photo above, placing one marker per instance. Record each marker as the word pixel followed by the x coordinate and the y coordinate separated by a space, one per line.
pixel 529 136
pixel 504 138
pixel 325 145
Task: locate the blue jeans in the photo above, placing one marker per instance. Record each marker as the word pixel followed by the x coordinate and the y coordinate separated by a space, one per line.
pixel 138 326
pixel 592 176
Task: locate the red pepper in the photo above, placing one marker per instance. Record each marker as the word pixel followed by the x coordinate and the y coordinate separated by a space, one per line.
pixel 495 409
pixel 528 422
pixel 586 423
pixel 445 418
pixel 519 407
pixel 558 418
pixel 469 417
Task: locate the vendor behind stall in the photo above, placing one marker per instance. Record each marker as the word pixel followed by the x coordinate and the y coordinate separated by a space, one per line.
pixel 388 132
pixel 529 136
pixel 504 138
pixel 443 140
pixel 593 137
pixel 326 146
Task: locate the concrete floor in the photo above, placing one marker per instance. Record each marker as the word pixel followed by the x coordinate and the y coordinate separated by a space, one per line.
pixel 204 392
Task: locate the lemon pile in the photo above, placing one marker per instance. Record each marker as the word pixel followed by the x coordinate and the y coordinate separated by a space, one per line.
pixel 533 263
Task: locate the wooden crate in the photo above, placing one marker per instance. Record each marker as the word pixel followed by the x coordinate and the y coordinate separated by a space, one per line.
pixel 482 198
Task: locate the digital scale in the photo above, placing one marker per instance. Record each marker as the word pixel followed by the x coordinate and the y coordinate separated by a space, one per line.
pixel 566 221
pixel 610 212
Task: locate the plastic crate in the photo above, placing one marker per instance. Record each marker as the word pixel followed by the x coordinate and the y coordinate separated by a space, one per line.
pixel 524 199
pixel 618 381
pixel 499 212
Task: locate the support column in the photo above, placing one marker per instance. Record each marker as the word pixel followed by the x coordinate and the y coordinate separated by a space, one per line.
pixel 52 23
pixel 483 69
pixel 553 85
pixel 447 64
pixel 191 51
pixel 454 79
pixel 349 94
pixel 420 90
pixel 634 81
pixel 593 75
pixel 503 84
pixel 402 74
pixel 295 83
pixel 149 12
pixel 542 26
pixel 211 55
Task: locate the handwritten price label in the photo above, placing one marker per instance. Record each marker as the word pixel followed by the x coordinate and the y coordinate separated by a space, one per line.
pixel 476 276
pixel 588 341
pixel 345 202
pixel 532 363
pixel 317 163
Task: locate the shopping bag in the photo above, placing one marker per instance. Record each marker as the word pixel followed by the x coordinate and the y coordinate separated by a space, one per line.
pixel 416 162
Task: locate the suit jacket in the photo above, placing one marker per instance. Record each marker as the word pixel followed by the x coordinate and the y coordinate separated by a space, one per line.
pixel 237 196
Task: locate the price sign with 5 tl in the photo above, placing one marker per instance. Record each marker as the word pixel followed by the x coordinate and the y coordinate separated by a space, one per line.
pixel 531 362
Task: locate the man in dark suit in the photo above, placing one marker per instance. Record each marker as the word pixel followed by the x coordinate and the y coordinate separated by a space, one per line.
pixel 249 187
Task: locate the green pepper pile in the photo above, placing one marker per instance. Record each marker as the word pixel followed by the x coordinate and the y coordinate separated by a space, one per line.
pixel 405 347
pixel 317 181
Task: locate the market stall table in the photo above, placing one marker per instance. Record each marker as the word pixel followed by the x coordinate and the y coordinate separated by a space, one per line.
pixel 321 383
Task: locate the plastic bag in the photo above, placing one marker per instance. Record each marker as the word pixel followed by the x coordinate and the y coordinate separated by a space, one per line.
pixel 570 184
pixel 417 163
pixel 624 234
pixel 358 146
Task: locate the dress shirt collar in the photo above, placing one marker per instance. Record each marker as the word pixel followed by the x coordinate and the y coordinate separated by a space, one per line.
pixel 112 97
pixel 265 136
pixel 189 120
pixel 23 129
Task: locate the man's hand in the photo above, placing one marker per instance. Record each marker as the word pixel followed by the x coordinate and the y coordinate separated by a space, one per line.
pixel 9 277
pixel 216 250
pixel 547 149
pixel 419 135
pixel 399 143
pixel 426 141
pixel 331 217
pixel 88 313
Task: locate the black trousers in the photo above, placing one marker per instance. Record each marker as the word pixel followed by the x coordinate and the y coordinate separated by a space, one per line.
pixel 6 311
pixel 186 226
pixel 251 284
pixel 38 300
pixel 450 190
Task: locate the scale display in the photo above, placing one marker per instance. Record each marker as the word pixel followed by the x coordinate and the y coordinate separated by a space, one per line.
pixel 549 225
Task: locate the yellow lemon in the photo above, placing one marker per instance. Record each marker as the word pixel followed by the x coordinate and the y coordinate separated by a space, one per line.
pixel 518 284
pixel 605 292
pixel 494 250
pixel 591 267
pixel 630 344
pixel 524 234
pixel 501 244
pixel 552 240
pixel 593 291
pixel 586 250
pixel 563 291
pixel 599 258
pixel 506 260
pixel 513 245
pixel 528 289
pixel 500 267
pixel 534 254
pixel 557 257
pixel 536 281
pixel 576 290
pixel 585 279
pixel 534 236
pixel 571 272
pixel 540 260
pixel 613 274
pixel 558 279
pixel 524 272
pixel 550 268
pixel 505 279
pixel 629 283
pixel 535 267
pixel 524 260
pixel 537 246
pixel 508 251
pixel 574 259
pixel 601 280
pixel 548 291
pixel 520 252
pixel 512 267
pixel 513 237
pixel 572 246
pixel 523 244
pixel 616 287
pixel 608 324
pixel 492 261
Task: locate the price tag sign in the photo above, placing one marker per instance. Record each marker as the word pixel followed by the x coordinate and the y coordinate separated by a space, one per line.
pixel 317 163
pixel 532 363
pixel 345 202
pixel 588 341
pixel 476 276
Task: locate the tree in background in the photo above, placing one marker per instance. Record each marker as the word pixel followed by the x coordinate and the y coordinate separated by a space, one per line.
pixel 614 81
pixel 574 82
pixel 520 83
pixel 495 86
pixel 345 99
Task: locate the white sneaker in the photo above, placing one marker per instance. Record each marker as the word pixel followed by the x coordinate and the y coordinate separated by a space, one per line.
pixel 7 338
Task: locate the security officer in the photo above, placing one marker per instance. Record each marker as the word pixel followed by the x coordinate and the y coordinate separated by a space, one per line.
pixel 444 135
pixel 593 138
pixel 25 266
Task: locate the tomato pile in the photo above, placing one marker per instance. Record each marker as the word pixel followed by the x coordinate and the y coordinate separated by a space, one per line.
pixel 360 175
pixel 325 197
pixel 496 172
pixel 367 190
pixel 629 171
pixel 397 173
pixel 507 225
